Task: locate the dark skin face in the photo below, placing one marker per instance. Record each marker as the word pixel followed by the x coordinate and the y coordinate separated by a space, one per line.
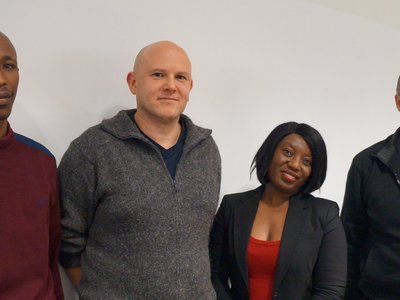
pixel 9 78
pixel 291 165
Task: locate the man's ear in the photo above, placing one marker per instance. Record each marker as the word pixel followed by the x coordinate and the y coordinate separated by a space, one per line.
pixel 131 80
pixel 397 100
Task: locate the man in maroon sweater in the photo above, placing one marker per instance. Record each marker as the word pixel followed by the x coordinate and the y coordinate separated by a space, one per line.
pixel 29 203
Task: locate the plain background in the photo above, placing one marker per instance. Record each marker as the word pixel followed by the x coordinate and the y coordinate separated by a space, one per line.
pixel 332 64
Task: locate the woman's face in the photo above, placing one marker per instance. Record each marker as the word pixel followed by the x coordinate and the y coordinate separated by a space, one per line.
pixel 291 165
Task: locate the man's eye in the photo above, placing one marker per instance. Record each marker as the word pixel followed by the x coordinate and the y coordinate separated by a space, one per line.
pixel 9 66
pixel 157 75
pixel 181 77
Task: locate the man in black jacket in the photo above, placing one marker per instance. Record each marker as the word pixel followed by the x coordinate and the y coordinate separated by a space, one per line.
pixel 371 219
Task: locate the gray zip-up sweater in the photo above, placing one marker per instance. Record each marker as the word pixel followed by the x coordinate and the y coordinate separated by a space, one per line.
pixel 136 232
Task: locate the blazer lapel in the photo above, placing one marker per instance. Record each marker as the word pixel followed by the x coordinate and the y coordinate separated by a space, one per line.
pixel 243 218
pixel 292 232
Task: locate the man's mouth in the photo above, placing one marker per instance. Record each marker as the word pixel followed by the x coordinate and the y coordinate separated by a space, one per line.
pixel 5 95
pixel 168 98
pixel 5 98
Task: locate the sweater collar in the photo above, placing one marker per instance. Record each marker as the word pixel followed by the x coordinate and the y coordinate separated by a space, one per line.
pixel 391 146
pixel 387 154
pixel 122 126
pixel 8 139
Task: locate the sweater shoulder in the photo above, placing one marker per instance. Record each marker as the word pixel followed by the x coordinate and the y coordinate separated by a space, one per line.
pixel 30 143
pixel 93 137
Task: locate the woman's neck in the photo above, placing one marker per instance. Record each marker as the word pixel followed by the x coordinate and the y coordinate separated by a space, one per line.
pixel 273 197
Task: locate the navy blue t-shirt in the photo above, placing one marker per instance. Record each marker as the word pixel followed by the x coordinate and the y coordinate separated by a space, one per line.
pixel 172 155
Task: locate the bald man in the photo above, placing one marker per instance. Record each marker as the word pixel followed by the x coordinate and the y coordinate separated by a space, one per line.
pixel 29 203
pixel 139 192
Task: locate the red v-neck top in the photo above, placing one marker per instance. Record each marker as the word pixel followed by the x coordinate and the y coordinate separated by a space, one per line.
pixel 262 259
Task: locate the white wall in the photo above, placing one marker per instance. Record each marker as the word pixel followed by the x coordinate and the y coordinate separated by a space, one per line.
pixel 255 64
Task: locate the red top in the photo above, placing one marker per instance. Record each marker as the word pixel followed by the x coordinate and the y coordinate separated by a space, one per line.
pixel 262 258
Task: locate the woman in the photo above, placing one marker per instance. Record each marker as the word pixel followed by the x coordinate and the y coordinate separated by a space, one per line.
pixel 278 241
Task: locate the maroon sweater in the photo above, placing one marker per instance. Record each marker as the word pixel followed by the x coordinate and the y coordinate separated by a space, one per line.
pixel 29 221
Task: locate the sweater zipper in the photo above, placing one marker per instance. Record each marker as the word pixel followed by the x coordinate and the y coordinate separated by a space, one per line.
pixel 397 177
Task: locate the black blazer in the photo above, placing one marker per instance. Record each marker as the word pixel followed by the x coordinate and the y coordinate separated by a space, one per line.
pixel 312 260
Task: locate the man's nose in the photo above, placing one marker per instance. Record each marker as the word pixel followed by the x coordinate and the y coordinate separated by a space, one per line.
pixel 170 83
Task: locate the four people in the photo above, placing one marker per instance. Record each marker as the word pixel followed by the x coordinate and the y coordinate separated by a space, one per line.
pixel 278 241
pixel 371 218
pixel 139 192
pixel 29 202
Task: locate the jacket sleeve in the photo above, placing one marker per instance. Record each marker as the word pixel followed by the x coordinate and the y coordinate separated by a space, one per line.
pixel 329 274
pixel 77 190
pixel 55 237
pixel 354 218
pixel 218 255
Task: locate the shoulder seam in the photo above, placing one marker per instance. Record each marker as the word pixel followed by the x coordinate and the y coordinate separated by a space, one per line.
pixel 32 143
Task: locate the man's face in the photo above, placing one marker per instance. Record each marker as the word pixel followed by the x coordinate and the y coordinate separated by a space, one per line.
pixel 161 81
pixel 9 77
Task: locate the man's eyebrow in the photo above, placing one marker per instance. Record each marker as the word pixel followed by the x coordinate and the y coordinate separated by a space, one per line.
pixel 8 57
pixel 165 71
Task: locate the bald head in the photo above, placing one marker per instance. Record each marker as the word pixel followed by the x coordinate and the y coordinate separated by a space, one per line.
pixel 5 40
pixel 155 49
pixel 398 87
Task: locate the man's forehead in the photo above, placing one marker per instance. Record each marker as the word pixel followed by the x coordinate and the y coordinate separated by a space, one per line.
pixel 166 59
pixel 398 86
pixel 7 50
